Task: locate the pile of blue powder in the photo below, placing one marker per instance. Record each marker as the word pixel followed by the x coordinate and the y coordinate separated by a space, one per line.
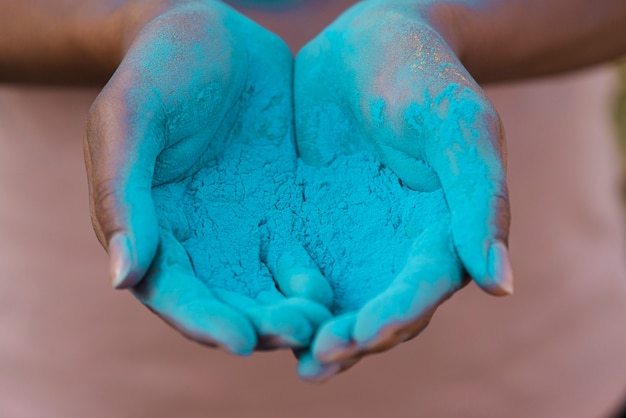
pixel 256 200
pixel 354 218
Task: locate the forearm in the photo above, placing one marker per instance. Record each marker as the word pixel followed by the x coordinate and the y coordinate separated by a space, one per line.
pixel 68 41
pixel 501 40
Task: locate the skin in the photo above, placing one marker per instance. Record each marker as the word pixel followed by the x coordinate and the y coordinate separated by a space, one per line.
pixel 85 42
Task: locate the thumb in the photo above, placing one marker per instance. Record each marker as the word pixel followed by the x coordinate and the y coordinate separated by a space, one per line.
pixel 120 154
pixel 469 159
pixel 320 108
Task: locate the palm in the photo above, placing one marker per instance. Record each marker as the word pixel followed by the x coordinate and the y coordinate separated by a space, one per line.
pixel 366 227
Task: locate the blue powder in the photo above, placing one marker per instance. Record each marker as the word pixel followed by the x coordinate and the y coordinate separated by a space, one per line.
pixel 257 199
pixel 233 211
pixel 359 223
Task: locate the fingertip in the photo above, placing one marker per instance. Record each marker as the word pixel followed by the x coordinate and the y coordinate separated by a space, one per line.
pixel 213 323
pixel 334 342
pixel 312 371
pixel 281 326
pixel 311 285
pixel 390 320
pixel 128 264
pixel 315 312
pixel 121 262
pixel 297 275
pixel 495 276
pixel 379 319
pixel 500 280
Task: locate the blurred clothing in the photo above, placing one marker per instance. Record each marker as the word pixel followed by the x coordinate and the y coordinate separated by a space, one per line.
pixel 73 347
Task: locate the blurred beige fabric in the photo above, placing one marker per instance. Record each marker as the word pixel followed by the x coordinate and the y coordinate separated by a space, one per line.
pixel 70 346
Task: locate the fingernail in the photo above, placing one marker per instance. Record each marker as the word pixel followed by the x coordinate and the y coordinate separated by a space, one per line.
pixel 242 351
pixel 312 371
pixel 120 259
pixel 500 269
pixel 326 372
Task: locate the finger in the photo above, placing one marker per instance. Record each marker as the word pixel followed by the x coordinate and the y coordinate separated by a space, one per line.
pixel 120 154
pixel 270 297
pixel 398 332
pixel 319 106
pixel 238 301
pixel 431 274
pixel 282 326
pixel 284 322
pixel 312 371
pixel 333 341
pixel 279 322
pixel 172 291
pixel 414 173
pixel 267 338
pixel 470 163
pixel 253 310
pixel 315 312
pixel 296 274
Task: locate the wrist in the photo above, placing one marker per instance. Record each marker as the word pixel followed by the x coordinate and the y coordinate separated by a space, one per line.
pixel 69 41
pixel 474 32
pixel 499 40
pixel 134 16
pixel 448 18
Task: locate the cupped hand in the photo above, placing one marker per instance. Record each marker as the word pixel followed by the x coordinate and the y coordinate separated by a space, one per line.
pixel 381 80
pixel 190 158
pixel 386 250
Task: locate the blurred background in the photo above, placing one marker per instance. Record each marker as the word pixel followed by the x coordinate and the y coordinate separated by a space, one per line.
pixel 620 115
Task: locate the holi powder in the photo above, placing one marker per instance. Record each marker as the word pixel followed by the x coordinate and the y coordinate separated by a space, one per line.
pixel 359 223
pixel 353 217
pixel 238 214
pixel 257 200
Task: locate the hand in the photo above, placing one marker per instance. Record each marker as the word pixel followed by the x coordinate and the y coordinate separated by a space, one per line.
pixel 180 119
pixel 381 80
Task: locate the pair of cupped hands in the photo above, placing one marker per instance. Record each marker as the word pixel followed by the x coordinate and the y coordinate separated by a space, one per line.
pixel 384 75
